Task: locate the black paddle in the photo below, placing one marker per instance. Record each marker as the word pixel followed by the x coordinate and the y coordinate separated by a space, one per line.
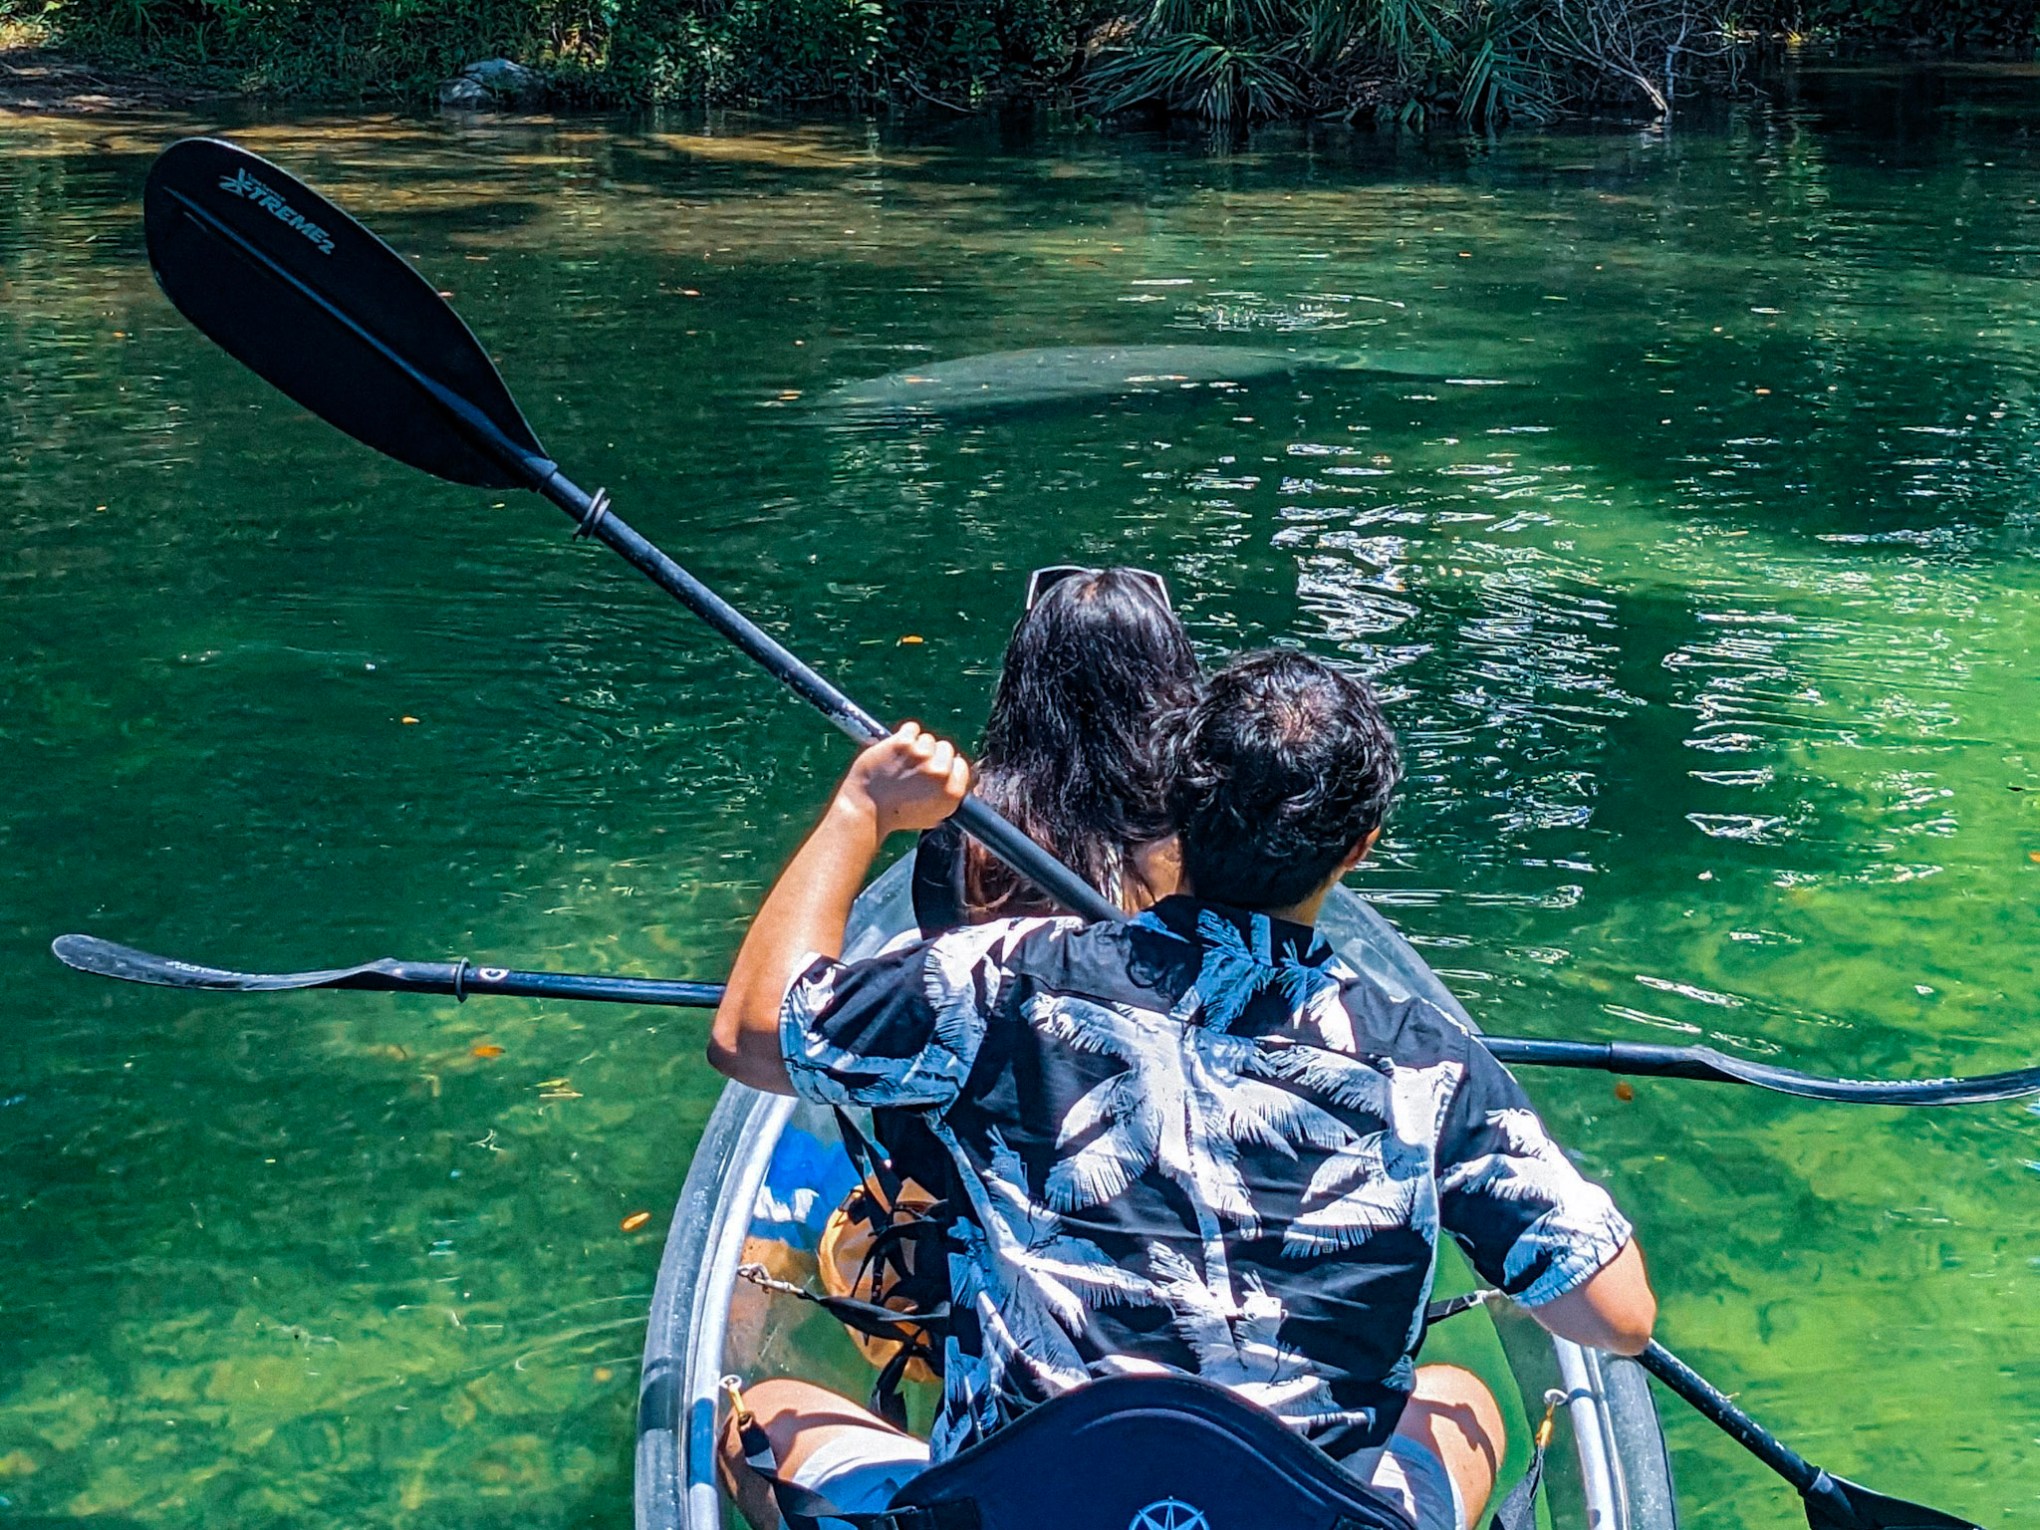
pixel 1832 1503
pixel 315 304
pixel 88 953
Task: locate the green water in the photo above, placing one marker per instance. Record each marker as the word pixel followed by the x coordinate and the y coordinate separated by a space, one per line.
pixel 1710 630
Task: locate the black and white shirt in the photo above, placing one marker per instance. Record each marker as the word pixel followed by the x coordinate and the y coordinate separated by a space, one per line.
pixel 1197 1140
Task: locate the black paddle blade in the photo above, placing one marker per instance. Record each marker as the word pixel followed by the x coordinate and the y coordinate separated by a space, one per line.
pixel 312 302
pixel 103 958
pixel 1873 1511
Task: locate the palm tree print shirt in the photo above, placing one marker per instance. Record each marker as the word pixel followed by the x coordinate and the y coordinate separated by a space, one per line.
pixel 1196 1140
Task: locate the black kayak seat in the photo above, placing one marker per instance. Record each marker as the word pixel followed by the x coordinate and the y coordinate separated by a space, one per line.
pixel 1145 1452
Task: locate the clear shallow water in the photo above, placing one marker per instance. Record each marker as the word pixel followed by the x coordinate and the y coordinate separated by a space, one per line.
pixel 1700 569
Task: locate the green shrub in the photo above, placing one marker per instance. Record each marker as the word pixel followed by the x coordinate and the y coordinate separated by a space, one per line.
pixel 1485 61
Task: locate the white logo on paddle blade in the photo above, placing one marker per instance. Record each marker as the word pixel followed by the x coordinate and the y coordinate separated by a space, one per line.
pixel 1170 1514
pixel 242 184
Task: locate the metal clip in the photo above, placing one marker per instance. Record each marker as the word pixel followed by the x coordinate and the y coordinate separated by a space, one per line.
pixel 1553 1401
pixel 759 1276
pixel 733 1386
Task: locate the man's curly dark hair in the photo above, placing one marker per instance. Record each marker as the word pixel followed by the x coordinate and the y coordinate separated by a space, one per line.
pixel 1276 773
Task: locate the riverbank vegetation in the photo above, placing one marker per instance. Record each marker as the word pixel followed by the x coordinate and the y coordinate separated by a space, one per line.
pixel 1477 61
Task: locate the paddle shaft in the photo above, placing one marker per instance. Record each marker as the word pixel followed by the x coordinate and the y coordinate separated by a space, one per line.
pixel 597 520
pixel 462 978
pixel 1652 1059
pixel 592 515
pixel 1812 1483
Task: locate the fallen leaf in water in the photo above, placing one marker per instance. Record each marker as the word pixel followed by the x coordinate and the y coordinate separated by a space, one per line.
pixel 911 638
pixel 1625 1091
pixel 2033 856
pixel 636 1220
pixel 551 1083
pixel 1763 393
pixel 407 720
pixel 604 1373
pixel 486 1049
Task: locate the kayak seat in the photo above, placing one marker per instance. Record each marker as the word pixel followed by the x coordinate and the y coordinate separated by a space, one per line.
pixel 1149 1452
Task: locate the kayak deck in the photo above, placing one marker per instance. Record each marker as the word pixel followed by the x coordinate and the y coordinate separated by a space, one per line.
pixel 769 1169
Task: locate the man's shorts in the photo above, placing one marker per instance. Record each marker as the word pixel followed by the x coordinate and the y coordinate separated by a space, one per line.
pixel 859 1470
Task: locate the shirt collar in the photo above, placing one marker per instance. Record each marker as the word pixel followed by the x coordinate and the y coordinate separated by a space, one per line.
pixel 1271 940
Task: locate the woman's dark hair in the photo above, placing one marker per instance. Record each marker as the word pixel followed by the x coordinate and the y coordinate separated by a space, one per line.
pixel 1069 753
pixel 1275 774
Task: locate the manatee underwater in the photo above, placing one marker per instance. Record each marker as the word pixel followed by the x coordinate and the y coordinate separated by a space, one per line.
pixel 1072 374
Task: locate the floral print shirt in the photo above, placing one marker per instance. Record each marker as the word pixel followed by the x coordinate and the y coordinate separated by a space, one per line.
pixel 1195 1140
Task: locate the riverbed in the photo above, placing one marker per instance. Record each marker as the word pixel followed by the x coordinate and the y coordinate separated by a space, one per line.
pixel 1679 490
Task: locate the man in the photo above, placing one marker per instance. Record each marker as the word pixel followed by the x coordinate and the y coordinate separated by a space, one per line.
pixel 1194 1140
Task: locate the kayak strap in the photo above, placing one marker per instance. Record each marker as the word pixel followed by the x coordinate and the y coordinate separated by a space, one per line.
pixel 866 1317
pixel 1452 1306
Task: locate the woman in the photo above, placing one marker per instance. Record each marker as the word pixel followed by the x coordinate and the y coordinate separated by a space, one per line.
pixel 1069 756
pixel 1068 753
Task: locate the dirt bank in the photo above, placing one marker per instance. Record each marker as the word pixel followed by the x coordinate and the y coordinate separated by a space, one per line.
pixel 35 80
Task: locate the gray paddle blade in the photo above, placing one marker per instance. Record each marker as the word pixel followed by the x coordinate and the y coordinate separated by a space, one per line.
pixel 102 958
pixel 1873 1511
pixel 1978 1089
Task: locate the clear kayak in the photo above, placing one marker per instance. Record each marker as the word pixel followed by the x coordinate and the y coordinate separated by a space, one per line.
pixel 770 1169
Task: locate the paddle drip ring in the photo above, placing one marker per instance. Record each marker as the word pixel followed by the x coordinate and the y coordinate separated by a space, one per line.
pixel 598 507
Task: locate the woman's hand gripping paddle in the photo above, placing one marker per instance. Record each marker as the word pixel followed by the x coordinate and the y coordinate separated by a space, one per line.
pixel 1832 1503
pixel 315 304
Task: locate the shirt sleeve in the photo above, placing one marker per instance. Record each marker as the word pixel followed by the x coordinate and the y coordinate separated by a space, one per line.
pixel 901 1029
pixel 1530 1221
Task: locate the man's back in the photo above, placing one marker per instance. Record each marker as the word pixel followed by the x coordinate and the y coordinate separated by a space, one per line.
pixel 1197 1141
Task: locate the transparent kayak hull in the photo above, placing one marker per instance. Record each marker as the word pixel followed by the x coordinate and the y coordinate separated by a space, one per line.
pixel 764 1165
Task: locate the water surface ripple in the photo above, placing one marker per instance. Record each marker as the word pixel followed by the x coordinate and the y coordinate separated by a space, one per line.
pixel 1679 490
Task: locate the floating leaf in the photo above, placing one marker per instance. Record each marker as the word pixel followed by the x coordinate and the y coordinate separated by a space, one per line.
pixel 485 1049
pixel 407 720
pixel 2033 856
pixel 1624 1090
pixel 912 638
pixel 636 1220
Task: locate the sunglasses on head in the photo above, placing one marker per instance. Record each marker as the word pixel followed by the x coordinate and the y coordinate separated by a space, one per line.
pixel 1042 580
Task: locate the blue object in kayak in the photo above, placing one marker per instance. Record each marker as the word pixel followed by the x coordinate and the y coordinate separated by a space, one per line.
pixel 807 1180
